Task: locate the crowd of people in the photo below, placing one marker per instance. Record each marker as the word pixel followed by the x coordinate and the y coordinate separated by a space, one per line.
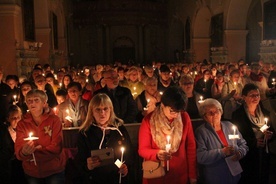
pixel 229 99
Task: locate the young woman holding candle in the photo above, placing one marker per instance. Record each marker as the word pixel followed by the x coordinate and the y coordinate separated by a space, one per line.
pixel 101 130
pixel 214 145
pixel 170 119
pixel 11 171
pixel 47 149
pixel 250 118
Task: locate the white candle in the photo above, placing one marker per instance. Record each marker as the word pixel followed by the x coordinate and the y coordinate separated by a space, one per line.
pixel 86 80
pixel 31 138
pixel 60 84
pixel 55 110
pixel 266 120
pixel 14 97
pixel 168 147
pixel 234 128
pixel 122 158
pixel 205 82
pixel 161 93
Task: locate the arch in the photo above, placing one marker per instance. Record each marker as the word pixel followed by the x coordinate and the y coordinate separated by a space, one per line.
pixel 123 41
pixel 124 50
pixel 236 20
pixel 202 23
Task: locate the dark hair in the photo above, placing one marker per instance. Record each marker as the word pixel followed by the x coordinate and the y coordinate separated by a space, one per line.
pixel 236 71
pixel 50 75
pixel 12 109
pixel 61 92
pixel 164 68
pixel 73 84
pixel 249 87
pixel 27 83
pixel 175 98
pixel 12 77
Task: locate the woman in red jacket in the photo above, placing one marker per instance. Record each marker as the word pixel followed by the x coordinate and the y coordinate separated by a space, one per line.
pixel 169 123
pixel 43 160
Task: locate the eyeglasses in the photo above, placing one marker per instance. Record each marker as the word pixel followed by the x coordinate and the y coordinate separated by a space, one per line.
pixel 173 111
pixel 212 113
pixel 99 110
pixel 187 83
pixel 254 96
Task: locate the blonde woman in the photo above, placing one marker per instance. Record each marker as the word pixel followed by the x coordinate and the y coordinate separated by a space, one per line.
pixel 101 130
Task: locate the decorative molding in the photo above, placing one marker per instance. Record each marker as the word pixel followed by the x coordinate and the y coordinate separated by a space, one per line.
pixel 7 10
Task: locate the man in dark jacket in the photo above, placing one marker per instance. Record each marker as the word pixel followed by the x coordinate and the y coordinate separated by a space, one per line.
pixel 124 105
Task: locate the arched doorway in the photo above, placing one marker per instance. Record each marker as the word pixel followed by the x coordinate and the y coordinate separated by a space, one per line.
pixel 123 50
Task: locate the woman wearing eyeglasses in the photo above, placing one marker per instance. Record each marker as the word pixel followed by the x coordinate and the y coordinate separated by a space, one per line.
pixel 101 130
pixel 214 147
pixel 170 124
pixel 250 118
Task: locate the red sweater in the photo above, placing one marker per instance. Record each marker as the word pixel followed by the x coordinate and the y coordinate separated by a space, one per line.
pixel 50 159
pixel 183 162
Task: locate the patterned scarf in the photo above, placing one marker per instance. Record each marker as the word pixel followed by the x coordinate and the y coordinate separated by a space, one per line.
pixel 161 127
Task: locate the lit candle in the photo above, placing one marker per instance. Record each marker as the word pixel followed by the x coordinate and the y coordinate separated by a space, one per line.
pixel 201 99
pixel 86 80
pixel 205 82
pixel 14 97
pixel 195 73
pixel 60 84
pixel 55 110
pixel 55 75
pixel 168 147
pixel 161 93
pixel 273 82
pixel 31 138
pixel 122 158
pixel 266 120
pixel 234 128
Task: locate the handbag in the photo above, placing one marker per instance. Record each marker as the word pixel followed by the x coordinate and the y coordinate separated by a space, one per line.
pixel 152 169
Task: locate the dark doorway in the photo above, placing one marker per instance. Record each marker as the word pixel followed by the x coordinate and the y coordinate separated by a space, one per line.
pixel 124 54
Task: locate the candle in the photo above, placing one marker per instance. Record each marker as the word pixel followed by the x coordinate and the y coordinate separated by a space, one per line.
pixel 201 99
pixel 266 120
pixel 60 84
pixel 31 138
pixel 205 82
pixel 14 97
pixel 55 75
pixel 122 158
pixel 168 147
pixel 234 128
pixel 86 80
pixel 55 110
pixel 161 93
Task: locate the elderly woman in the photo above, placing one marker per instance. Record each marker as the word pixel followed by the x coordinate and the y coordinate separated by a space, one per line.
pixel 101 130
pixel 250 118
pixel 148 99
pixel 170 119
pixel 214 146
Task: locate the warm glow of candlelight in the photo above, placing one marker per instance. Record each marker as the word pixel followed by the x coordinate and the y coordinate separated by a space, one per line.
pixel 134 88
pixel 60 84
pixel 234 128
pixel 30 134
pixel 148 100
pixel 67 111
pixel 161 93
pixel 266 120
pixel 86 80
pixel 201 98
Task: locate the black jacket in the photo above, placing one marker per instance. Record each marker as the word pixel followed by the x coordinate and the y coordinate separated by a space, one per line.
pixel 90 140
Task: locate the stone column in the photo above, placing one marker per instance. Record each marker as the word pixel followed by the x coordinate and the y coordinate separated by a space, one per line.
pixel 11 36
pixel 235 42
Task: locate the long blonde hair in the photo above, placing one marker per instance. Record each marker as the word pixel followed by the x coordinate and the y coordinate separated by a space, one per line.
pixel 96 101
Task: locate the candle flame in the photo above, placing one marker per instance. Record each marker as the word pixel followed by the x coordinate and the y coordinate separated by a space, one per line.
pixel 168 139
pixel 134 88
pixel 266 120
pixel 14 96
pixel 201 97
pixel 30 134
pixel 148 100
pixel 122 149
pixel 67 111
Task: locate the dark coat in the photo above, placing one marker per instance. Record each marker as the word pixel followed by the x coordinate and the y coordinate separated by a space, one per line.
pixel 11 170
pixel 124 105
pixel 90 140
pixel 253 171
